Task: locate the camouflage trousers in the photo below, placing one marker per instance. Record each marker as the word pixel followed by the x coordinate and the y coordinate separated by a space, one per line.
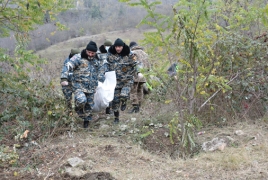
pixel 136 93
pixel 67 91
pixel 120 94
pixel 83 104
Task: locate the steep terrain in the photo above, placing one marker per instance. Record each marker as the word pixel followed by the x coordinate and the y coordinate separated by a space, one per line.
pixel 139 147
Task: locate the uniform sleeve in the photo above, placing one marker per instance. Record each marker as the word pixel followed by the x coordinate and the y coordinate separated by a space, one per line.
pixel 102 70
pixel 68 67
pixel 108 63
pixel 133 69
pixel 64 71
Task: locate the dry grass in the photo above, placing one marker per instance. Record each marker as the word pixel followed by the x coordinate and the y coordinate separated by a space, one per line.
pixel 125 160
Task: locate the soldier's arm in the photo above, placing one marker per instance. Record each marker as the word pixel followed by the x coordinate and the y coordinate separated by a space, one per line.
pixel 64 70
pixel 68 67
pixel 103 68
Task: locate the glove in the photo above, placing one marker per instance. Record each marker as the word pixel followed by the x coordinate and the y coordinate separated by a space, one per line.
pixel 64 83
pixel 140 76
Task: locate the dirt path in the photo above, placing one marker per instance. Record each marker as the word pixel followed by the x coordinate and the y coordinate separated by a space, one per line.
pixel 109 153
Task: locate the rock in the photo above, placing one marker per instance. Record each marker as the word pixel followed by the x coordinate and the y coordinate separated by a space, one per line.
pixel 75 172
pixel 215 144
pixel 75 161
pixel 123 127
pixel 239 132
pixel 104 126
pixel 222 146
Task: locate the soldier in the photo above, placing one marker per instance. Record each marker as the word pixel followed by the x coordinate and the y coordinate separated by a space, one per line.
pixel 86 70
pixel 119 60
pixel 102 53
pixel 103 49
pixel 172 71
pixel 67 90
pixel 137 90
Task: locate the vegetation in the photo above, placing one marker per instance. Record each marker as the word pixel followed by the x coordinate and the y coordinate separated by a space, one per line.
pixel 86 17
pixel 23 101
pixel 220 48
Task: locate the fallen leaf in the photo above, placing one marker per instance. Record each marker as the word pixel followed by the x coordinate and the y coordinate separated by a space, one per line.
pixel 25 134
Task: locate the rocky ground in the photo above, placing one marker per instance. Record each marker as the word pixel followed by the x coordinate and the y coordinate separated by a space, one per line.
pixel 109 151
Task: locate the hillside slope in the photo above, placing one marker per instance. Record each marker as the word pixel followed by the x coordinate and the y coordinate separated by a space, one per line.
pixel 128 151
pixel 56 54
pixel 107 153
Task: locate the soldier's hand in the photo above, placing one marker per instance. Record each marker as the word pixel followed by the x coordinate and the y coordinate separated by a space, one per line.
pixel 140 76
pixel 133 57
pixel 64 83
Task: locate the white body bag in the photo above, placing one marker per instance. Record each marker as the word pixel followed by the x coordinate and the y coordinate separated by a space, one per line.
pixel 104 92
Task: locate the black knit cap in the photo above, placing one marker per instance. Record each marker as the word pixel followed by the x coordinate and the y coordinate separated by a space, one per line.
pixel 119 42
pixel 92 46
pixel 133 43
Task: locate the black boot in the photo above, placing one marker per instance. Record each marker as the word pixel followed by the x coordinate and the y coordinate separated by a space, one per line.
pixel 116 118
pixel 108 110
pixel 86 123
pixel 135 109
pixel 123 105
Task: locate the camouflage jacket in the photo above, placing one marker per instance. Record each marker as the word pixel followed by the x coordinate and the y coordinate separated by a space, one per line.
pixel 124 66
pixel 141 57
pixel 86 72
pixel 68 74
pixel 103 66
pixel 102 54
pixel 142 61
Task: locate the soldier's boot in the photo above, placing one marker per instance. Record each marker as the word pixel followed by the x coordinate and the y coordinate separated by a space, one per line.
pixel 116 117
pixel 123 104
pixel 108 110
pixel 86 123
pixel 135 109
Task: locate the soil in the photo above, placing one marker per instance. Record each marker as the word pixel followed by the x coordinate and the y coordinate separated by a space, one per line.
pixel 113 154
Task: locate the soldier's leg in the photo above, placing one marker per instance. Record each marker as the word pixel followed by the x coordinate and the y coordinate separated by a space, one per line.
pixel 134 97
pixel 116 105
pixel 124 95
pixel 140 94
pixel 80 102
pixel 146 89
pixel 133 93
pixel 67 91
pixel 108 109
pixel 88 109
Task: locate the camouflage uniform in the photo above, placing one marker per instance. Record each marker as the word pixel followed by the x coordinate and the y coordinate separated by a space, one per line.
pixel 86 73
pixel 136 94
pixel 67 90
pixel 103 62
pixel 125 68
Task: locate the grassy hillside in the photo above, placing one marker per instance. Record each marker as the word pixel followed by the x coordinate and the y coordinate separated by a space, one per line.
pixel 138 148
pixel 56 54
